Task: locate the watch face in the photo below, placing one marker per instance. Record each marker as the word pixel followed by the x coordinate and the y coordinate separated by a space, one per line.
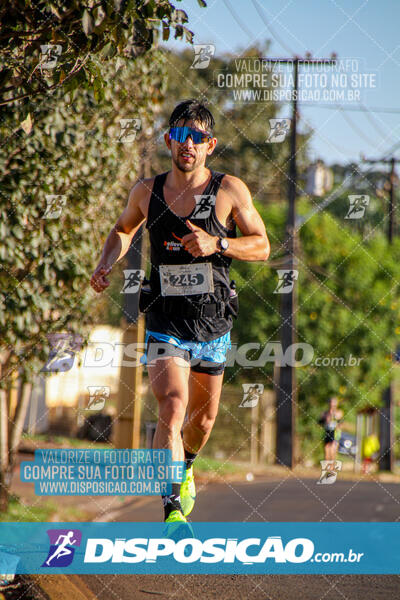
pixel 224 243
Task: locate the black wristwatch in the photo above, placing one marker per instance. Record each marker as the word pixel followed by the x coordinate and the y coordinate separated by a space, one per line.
pixel 222 244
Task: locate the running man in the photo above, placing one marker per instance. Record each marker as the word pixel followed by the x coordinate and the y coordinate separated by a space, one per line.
pixel 191 213
pixel 330 422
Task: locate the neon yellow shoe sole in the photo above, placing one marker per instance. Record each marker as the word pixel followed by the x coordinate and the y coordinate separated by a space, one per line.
pixel 188 492
pixel 176 527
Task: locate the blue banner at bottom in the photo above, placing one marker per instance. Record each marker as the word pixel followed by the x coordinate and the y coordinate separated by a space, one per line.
pixel 133 548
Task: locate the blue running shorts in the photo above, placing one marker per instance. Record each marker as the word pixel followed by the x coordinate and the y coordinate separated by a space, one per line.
pixel 204 357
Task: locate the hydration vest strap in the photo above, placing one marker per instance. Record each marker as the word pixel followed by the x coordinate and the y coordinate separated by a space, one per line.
pixel 187 310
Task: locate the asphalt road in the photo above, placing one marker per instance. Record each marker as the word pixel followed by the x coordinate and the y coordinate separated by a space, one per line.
pixel 260 500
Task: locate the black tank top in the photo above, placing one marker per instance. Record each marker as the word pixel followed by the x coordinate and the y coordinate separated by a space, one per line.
pixel 165 230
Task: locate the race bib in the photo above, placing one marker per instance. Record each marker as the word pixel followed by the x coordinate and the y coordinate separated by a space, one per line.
pixel 186 280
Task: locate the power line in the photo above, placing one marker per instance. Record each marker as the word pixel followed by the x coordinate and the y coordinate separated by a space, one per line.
pixel 238 21
pixel 360 108
pixel 390 152
pixel 371 119
pixel 300 221
pixel 355 128
pixel 316 132
pixel 272 32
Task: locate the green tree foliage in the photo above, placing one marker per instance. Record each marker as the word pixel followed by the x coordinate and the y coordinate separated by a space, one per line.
pixel 79 33
pixel 348 307
pixel 353 179
pixel 61 136
pixel 72 151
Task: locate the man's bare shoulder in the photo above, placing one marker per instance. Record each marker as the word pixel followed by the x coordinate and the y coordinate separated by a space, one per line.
pixel 231 182
pixel 236 189
pixel 143 187
pixel 141 192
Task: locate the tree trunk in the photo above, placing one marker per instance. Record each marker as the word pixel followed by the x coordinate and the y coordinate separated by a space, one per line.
pixel 4 456
pixel 19 419
pixel 10 438
pixel 5 481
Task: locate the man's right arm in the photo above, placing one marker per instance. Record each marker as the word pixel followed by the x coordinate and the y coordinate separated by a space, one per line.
pixel 120 237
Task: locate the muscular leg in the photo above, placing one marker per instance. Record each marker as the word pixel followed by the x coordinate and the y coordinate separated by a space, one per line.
pixel 169 378
pixel 204 394
pixel 169 382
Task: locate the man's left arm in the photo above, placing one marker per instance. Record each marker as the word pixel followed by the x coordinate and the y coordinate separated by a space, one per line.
pixel 254 243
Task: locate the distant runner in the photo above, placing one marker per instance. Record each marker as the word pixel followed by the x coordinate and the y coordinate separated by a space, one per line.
pixel 191 213
pixel 330 420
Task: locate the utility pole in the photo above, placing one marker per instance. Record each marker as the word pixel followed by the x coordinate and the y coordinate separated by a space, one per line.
pixel 127 433
pixel 286 411
pixel 392 214
pixel 386 437
pixel 392 203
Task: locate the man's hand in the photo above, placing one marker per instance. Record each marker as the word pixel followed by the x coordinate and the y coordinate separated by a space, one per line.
pixel 199 242
pixel 98 281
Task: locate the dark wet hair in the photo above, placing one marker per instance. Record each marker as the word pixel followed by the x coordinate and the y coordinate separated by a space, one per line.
pixel 192 110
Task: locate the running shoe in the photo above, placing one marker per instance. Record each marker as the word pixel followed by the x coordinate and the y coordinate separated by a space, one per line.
pixel 176 527
pixel 188 492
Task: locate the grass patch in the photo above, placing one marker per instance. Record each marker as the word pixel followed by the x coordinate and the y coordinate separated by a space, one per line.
pixel 18 512
pixel 42 512
pixel 64 441
pixel 204 464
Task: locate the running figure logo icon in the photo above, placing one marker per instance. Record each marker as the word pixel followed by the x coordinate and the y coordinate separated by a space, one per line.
pixel 63 347
pixel 50 54
pixel 98 395
pixel 251 394
pixel 287 277
pixel 358 205
pixel 129 129
pixel 203 53
pixel 204 204
pixel 55 204
pixel 330 469
pixel 61 551
pixel 279 128
pixel 133 277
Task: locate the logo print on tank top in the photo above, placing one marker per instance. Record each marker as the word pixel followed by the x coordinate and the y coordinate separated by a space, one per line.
pixel 173 246
pixel 204 204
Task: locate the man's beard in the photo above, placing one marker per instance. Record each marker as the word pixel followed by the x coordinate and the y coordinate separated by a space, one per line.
pixel 185 168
